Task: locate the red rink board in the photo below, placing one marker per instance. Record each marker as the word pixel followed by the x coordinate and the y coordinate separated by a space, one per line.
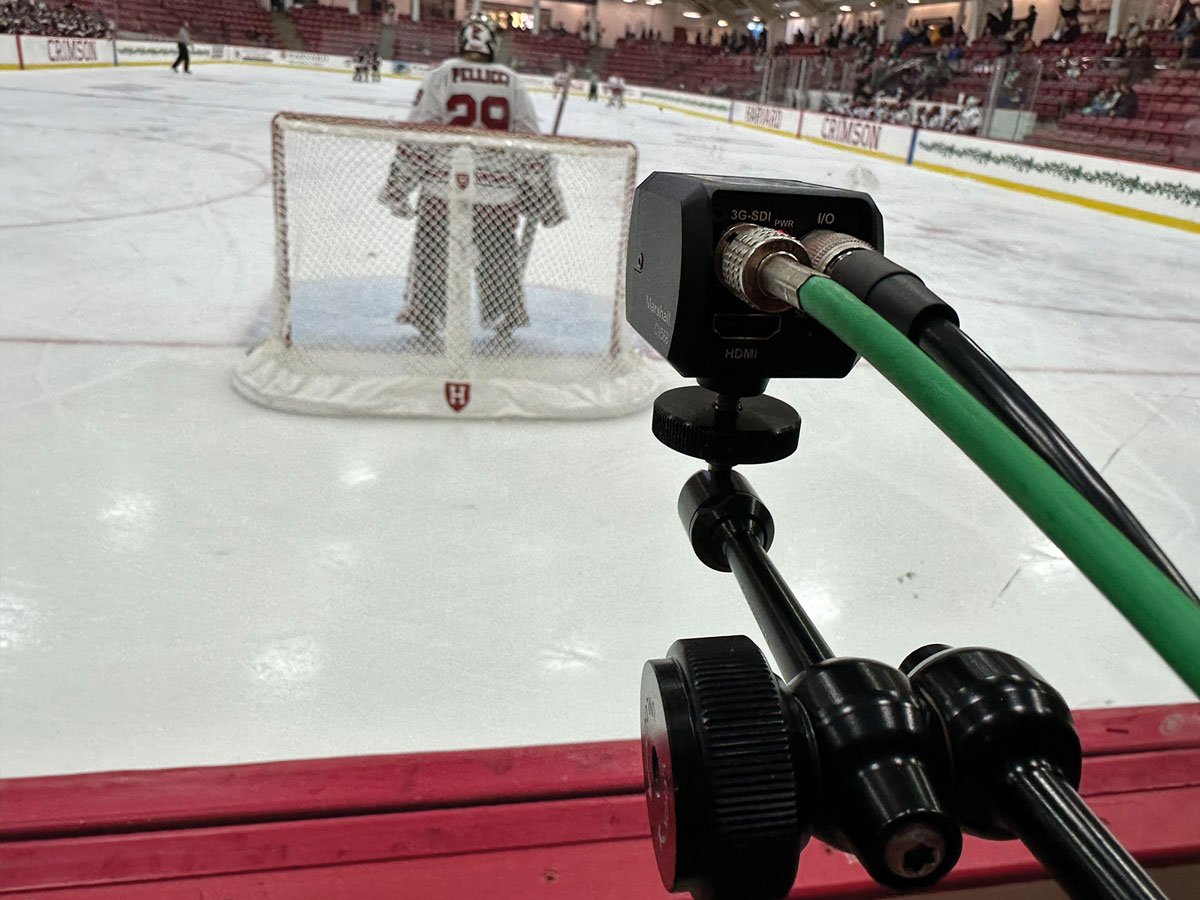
pixel 566 822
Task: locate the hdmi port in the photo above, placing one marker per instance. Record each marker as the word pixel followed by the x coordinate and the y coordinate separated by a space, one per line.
pixel 745 327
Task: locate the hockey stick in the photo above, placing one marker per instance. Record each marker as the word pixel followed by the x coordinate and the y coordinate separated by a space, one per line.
pixel 526 245
pixel 562 99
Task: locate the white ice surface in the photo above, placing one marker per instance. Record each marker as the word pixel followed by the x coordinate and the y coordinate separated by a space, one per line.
pixel 190 579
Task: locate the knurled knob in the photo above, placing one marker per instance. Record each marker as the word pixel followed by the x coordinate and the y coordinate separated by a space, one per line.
pixel 721 787
pixel 759 429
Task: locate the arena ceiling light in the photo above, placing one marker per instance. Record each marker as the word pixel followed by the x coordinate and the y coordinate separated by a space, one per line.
pixel 844 8
pixel 794 14
pixel 691 14
pixel 722 23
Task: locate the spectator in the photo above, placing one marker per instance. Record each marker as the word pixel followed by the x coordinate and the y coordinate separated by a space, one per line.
pixel 1102 101
pixel 1115 48
pixel 1185 21
pixel 999 25
pixel 1028 23
pixel 1068 29
pixel 1125 104
pixel 25 17
pixel 1133 30
pixel 1141 60
pixel 912 35
pixel 955 54
pixel 1189 56
pixel 1068 67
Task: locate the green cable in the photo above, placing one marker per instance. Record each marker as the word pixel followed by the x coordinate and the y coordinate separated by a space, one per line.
pixel 1153 604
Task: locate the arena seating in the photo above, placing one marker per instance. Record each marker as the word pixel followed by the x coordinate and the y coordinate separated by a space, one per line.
pixel 809 50
pixel 211 21
pixel 331 29
pixel 652 62
pixel 726 76
pixel 428 41
pixel 1166 128
pixel 546 54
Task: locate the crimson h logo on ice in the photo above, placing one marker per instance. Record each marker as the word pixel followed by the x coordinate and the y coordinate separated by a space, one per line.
pixel 458 394
pixel 463 180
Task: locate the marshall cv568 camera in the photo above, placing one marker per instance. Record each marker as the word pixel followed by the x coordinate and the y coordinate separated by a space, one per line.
pixel 677 303
pixel 736 281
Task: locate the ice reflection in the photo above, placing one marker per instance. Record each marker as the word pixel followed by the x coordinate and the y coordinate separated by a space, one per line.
pixel 287 664
pixel 572 654
pixel 129 519
pixel 18 620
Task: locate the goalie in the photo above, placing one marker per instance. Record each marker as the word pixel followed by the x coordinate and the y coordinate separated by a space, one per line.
pixel 514 188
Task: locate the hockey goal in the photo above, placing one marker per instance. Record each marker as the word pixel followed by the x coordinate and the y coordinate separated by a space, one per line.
pixel 438 271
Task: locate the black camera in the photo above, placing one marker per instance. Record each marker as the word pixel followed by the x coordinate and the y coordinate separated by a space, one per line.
pixel 675 300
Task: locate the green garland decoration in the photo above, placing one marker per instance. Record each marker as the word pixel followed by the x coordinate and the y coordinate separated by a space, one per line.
pixel 1177 191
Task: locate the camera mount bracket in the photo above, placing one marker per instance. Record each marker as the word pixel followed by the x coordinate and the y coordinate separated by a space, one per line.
pixel 726 429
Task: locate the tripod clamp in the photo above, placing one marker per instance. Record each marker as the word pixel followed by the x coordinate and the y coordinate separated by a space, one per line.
pixel 890 764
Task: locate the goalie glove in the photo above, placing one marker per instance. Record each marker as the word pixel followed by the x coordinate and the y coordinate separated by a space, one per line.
pixel 538 196
pixel 398 204
pixel 402 179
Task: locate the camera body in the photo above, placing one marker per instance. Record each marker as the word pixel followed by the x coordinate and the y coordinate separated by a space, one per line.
pixel 675 301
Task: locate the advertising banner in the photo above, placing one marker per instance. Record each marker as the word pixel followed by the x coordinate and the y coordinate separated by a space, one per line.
pixel 767 118
pixel 10 58
pixel 42 52
pixel 893 141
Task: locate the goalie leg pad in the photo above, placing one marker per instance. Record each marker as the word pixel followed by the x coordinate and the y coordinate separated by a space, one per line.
pixel 426 290
pixel 498 272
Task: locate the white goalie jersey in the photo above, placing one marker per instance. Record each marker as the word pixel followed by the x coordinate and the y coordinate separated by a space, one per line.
pixel 475 95
pixel 480 95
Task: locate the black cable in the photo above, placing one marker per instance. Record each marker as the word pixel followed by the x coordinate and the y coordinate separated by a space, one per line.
pixel 971 367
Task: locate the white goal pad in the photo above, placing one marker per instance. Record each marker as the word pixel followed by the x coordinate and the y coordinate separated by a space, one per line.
pixel 430 271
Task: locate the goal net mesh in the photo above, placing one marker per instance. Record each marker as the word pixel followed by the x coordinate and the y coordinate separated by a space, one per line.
pixel 423 270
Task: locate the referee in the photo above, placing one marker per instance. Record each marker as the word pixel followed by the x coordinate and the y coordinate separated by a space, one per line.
pixel 182 38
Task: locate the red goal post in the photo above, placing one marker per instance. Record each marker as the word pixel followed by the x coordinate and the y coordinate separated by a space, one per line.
pixel 427 271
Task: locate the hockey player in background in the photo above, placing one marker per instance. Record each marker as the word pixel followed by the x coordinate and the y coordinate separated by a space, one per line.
pixel 182 40
pixel 970 118
pixel 616 91
pixel 513 187
pixel 562 80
